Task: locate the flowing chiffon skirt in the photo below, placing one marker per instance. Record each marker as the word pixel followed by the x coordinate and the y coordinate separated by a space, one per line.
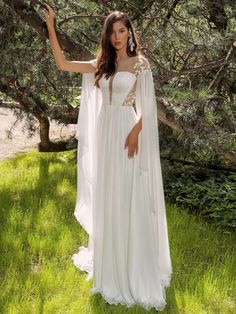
pixel 128 251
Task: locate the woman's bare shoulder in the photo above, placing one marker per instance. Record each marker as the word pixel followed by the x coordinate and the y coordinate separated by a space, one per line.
pixel 93 62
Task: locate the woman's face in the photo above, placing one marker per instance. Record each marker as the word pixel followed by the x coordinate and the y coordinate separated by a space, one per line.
pixel 119 36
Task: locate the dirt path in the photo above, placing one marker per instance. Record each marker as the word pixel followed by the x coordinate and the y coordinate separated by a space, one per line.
pixel 20 142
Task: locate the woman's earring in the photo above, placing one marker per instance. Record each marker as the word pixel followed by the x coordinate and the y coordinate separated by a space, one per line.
pixel 131 43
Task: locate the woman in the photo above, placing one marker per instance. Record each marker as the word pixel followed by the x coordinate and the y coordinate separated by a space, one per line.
pixel 120 200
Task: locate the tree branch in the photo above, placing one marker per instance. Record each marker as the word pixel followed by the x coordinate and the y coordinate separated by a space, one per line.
pixel 200 164
pixel 219 75
pixel 197 70
pixel 170 12
pixel 30 16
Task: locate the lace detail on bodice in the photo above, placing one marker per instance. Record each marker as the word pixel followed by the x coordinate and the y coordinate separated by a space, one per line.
pixel 141 65
pixel 130 98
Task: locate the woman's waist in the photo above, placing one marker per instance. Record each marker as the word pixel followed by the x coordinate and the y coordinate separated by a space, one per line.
pixel 117 106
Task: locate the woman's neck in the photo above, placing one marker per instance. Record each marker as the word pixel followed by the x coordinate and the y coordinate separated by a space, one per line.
pixel 121 55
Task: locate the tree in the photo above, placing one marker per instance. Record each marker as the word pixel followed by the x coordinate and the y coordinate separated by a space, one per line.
pixel 191 46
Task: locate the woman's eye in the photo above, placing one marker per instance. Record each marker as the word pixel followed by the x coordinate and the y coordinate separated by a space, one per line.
pixel 121 31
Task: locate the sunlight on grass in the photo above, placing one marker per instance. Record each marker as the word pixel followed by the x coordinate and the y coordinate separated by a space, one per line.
pixel 39 234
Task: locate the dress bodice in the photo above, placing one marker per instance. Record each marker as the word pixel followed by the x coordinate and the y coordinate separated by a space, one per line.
pixel 120 88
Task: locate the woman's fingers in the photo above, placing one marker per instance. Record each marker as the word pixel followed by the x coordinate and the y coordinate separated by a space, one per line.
pixel 47 6
pixel 49 10
pixel 49 15
pixel 132 149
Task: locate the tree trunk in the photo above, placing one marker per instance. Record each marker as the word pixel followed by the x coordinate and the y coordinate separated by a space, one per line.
pixel 45 142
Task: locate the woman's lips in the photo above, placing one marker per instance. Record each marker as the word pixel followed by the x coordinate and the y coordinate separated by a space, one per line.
pixel 117 42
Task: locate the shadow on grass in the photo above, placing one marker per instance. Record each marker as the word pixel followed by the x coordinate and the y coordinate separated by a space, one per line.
pixel 51 179
pixel 22 199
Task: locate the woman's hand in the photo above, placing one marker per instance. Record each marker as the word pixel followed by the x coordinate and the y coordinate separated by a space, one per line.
pixel 132 142
pixel 49 16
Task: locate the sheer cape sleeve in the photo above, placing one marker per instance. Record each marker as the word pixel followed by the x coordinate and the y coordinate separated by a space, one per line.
pixel 149 161
pixel 150 165
pixel 90 105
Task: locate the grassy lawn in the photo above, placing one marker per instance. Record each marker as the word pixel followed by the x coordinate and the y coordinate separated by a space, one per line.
pixel 39 234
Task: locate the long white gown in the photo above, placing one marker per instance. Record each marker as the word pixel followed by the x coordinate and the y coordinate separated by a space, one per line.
pixel 120 201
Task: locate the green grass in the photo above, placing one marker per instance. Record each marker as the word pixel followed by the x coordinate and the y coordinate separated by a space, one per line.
pixel 39 234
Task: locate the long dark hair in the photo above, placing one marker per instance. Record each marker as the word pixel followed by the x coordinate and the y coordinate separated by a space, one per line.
pixel 106 55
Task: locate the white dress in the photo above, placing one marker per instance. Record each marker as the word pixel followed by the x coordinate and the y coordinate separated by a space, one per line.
pixel 120 200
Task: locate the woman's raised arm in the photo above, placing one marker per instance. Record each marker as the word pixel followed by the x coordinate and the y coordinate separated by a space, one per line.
pixel 61 62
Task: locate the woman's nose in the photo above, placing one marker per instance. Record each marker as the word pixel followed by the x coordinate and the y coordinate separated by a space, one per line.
pixel 117 36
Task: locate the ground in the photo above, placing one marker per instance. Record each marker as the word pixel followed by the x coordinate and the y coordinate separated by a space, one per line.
pixel 20 142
